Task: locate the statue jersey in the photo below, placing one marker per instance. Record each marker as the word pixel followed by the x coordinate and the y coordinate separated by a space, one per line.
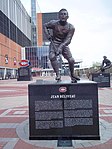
pixel 61 33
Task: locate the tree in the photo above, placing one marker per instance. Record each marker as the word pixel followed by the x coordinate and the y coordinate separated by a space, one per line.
pixel 96 65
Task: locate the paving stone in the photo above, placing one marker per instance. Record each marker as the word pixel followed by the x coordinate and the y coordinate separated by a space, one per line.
pixel 14 123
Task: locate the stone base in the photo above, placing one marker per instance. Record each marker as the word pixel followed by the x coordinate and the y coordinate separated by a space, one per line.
pixel 24 74
pixel 103 79
pixel 63 110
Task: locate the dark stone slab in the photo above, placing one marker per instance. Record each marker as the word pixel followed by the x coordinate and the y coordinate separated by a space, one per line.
pixel 24 74
pixel 63 110
pixel 103 79
pixel 64 143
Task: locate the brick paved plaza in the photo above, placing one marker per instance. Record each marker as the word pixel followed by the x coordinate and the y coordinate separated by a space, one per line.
pixel 14 119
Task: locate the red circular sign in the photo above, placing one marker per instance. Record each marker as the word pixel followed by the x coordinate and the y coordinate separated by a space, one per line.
pixel 24 63
pixel 62 89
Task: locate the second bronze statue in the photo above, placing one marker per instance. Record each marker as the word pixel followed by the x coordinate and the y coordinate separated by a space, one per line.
pixel 60 39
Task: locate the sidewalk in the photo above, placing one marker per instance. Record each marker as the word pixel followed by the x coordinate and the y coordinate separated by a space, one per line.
pixel 14 119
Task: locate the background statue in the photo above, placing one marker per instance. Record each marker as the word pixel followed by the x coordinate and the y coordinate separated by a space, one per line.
pixel 62 33
pixel 106 63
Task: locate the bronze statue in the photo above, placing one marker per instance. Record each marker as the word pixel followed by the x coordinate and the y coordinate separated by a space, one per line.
pixel 106 63
pixel 62 33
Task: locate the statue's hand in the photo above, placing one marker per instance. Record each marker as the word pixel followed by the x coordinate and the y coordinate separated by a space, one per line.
pixel 49 37
pixel 59 50
pixel 102 69
pixel 57 53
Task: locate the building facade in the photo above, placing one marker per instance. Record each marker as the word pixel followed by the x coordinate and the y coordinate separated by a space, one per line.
pixel 38 56
pixel 15 32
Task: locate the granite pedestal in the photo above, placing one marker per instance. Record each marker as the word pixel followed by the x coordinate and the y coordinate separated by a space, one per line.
pixel 63 110
pixel 24 74
pixel 103 79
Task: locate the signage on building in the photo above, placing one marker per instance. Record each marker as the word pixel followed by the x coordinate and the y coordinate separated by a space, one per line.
pixel 6 59
pixel 24 63
pixel 14 61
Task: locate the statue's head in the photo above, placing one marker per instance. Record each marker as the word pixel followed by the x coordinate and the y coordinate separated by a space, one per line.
pixel 104 57
pixel 63 15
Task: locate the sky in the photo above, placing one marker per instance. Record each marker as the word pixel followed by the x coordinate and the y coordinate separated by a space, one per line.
pixel 92 20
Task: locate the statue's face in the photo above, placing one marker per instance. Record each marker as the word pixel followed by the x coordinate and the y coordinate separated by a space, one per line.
pixel 104 57
pixel 63 15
